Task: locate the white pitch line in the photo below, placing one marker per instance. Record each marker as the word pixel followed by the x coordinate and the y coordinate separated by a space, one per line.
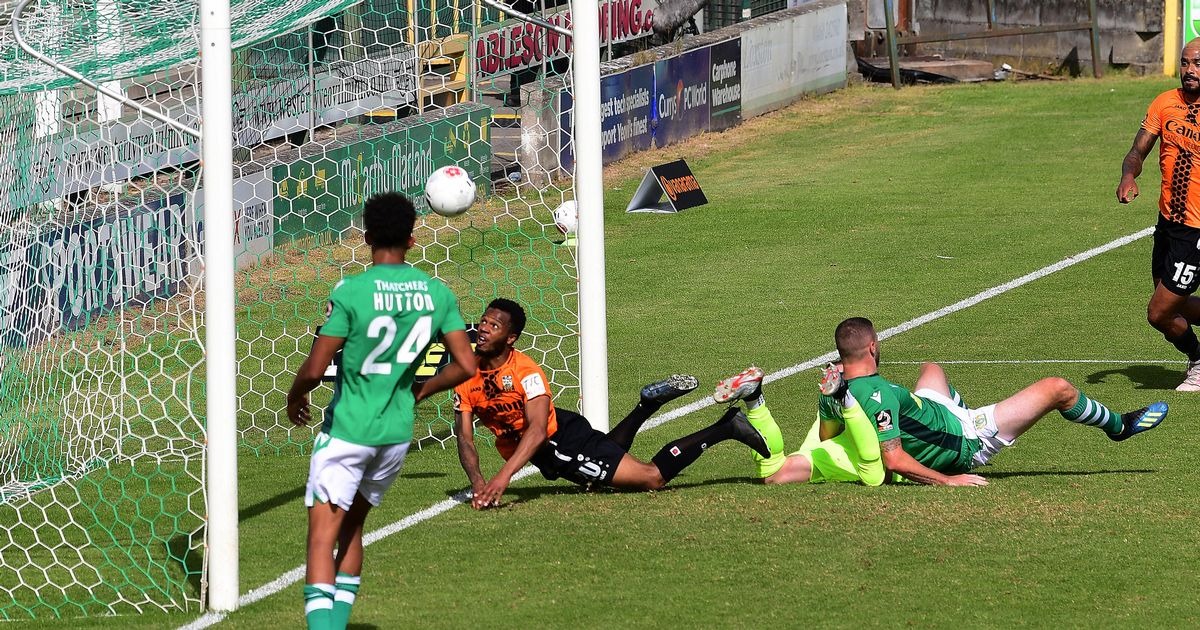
pixel 928 317
pixel 297 574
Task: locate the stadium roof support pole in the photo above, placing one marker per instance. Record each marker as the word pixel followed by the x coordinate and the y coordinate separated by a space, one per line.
pixel 889 16
pixel 589 197
pixel 1094 36
pixel 219 326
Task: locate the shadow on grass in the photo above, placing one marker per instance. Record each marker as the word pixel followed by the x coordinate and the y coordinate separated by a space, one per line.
pixel 1142 376
pixel 744 479
pixel 527 493
pixel 297 493
pixel 422 475
pixel 362 626
pixel 567 487
pixel 267 505
pixel 189 555
pixel 1064 473
pixel 530 493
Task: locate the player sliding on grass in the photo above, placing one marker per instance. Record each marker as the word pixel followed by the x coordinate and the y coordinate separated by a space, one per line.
pixel 927 436
pixel 384 318
pixel 511 397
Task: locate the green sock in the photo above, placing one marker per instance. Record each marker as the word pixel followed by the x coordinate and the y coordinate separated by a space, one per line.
pixel 1089 412
pixel 760 417
pixel 318 604
pixel 343 599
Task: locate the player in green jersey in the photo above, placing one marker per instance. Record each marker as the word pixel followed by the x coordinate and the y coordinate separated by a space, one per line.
pixel 928 437
pixel 382 320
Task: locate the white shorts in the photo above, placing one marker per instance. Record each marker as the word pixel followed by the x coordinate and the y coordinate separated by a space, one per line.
pixel 977 424
pixel 339 469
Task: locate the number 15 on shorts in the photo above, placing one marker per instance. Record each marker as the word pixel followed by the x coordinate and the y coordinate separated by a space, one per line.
pixel 1184 273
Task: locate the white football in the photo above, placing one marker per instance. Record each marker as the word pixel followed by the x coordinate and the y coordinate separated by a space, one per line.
pixel 449 191
pixel 566 217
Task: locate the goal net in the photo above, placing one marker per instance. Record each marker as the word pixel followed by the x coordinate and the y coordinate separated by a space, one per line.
pixel 102 360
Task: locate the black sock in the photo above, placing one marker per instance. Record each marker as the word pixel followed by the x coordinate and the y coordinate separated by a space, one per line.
pixel 627 429
pixel 755 398
pixel 1187 343
pixel 680 454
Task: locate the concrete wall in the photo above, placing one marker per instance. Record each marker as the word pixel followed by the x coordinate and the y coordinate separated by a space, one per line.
pixel 1130 30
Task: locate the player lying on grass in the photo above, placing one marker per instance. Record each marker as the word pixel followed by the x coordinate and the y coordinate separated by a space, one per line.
pixel 511 396
pixel 384 319
pixel 835 449
pixel 867 424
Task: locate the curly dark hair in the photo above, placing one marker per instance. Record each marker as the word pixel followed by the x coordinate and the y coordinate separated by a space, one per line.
pixel 516 314
pixel 388 218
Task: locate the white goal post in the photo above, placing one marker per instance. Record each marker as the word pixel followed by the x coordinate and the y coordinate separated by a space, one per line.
pixel 221 484
pixel 589 195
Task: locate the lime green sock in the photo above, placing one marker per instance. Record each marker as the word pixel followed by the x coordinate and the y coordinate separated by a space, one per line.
pixel 760 418
pixel 343 599
pixel 1089 412
pixel 318 604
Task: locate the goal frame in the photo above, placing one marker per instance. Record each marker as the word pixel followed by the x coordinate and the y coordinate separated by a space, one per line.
pixel 221 572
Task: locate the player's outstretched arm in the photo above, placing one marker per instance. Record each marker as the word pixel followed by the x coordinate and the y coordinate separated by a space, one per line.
pixel 468 457
pixel 537 419
pixel 309 376
pixel 1131 166
pixel 462 367
pixel 902 463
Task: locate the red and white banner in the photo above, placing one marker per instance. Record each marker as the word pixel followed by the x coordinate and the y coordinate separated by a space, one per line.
pixel 515 45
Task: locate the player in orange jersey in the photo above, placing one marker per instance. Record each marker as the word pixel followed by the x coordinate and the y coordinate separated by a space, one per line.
pixel 511 397
pixel 1175 261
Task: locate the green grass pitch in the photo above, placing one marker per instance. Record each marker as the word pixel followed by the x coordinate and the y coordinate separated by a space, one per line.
pixel 864 202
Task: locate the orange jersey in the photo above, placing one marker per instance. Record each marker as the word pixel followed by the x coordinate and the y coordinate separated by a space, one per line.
pixel 497 398
pixel 1173 120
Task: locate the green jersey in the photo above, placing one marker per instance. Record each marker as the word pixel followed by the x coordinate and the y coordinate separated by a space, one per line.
pixel 928 431
pixel 388 316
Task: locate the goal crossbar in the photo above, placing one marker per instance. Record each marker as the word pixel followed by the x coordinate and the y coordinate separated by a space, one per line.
pixel 67 71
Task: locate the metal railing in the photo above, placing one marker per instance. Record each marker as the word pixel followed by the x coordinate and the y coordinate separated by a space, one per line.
pixel 894 41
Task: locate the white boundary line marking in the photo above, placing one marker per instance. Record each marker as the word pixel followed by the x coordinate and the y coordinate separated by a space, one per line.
pixel 297 574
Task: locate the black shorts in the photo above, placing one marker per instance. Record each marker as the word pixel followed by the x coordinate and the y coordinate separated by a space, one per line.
pixel 577 452
pixel 1176 257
